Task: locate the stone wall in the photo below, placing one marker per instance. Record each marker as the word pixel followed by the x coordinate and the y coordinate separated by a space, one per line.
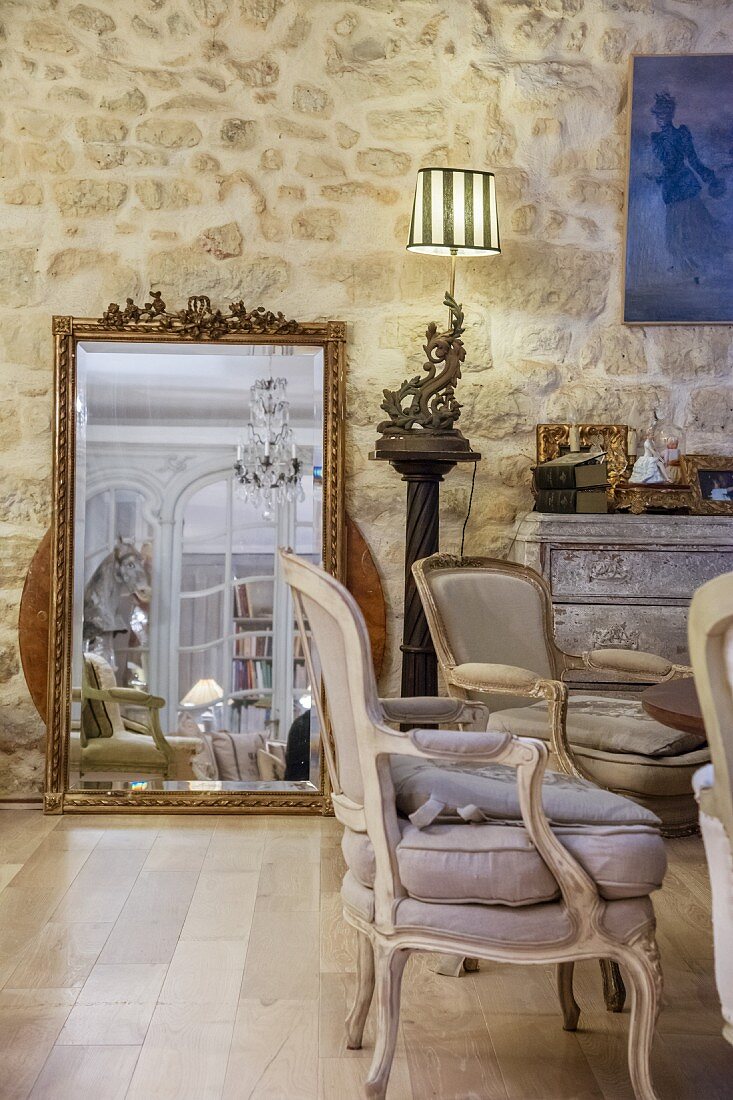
pixel 267 149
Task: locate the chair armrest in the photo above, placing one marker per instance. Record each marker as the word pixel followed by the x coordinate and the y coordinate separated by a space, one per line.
pixel 634 663
pixel 506 679
pixel 529 757
pixel 431 708
pixel 513 680
pixel 128 696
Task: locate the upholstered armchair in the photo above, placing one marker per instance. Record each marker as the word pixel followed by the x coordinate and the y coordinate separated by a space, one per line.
pixel 458 842
pixel 109 742
pixel 492 627
pixel 711 648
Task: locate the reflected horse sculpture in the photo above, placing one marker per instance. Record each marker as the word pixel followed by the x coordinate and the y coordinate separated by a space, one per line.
pixel 125 570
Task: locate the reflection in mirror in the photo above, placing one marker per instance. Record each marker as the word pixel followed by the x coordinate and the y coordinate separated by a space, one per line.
pixel 194 463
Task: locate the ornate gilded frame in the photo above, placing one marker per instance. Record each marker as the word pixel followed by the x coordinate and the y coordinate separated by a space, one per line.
pixel 698 504
pixel 197 323
pixel 551 438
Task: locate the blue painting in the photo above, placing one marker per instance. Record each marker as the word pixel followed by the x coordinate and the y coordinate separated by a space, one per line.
pixel 679 228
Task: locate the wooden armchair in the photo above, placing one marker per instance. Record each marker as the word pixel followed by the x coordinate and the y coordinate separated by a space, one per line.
pixel 492 627
pixel 110 743
pixel 516 891
pixel 711 649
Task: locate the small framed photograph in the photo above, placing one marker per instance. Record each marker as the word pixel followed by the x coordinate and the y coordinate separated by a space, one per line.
pixel 711 484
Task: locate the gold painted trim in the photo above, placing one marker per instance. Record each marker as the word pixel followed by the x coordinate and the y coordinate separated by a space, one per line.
pixel 552 437
pixel 67 332
pixel 692 465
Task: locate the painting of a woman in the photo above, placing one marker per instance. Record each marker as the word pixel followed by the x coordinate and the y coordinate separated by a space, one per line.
pixel 679 261
pixel 690 230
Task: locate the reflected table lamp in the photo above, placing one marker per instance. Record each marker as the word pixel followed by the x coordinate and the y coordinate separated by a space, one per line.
pixel 204 695
pixel 454 214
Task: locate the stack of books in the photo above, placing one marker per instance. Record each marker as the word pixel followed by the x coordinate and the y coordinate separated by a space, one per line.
pixel 572 483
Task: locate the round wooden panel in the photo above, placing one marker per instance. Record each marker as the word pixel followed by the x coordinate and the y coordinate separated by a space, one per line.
pixel 33 623
pixel 362 579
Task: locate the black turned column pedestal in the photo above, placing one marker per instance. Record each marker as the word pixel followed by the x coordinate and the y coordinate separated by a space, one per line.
pixel 423 464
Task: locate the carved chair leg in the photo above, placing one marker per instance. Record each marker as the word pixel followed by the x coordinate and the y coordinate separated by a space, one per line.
pixel 390 965
pixel 614 990
pixel 570 1007
pixel 642 963
pixel 356 1019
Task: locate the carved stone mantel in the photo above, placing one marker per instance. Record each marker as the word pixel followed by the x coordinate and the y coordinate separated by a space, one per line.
pixel 624 580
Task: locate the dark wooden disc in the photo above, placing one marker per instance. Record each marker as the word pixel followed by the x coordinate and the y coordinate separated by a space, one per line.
pixel 362 579
pixel 33 624
pixel 675 704
pixel 364 583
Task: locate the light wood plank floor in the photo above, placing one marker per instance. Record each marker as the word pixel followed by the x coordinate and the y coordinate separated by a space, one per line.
pixel 197 958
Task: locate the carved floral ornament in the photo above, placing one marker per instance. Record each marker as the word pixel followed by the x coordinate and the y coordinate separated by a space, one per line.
pixel 198 320
pixel 428 402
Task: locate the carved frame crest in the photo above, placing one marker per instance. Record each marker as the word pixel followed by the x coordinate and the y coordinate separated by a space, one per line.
pixel 198 322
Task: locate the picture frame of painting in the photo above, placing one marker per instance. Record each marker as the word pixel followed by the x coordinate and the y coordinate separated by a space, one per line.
pixel 679 218
pixel 711 484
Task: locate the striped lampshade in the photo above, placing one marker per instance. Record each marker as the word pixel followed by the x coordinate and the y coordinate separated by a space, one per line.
pixel 454 212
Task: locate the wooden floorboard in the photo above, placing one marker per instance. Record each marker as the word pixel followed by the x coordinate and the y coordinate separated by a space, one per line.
pixel 164 958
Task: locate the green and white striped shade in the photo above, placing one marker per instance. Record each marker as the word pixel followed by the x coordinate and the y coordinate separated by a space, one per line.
pixel 454 212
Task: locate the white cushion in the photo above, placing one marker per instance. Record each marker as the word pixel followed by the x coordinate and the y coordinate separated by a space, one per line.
pixel 499 865
pixel 460 792
pixel 235 754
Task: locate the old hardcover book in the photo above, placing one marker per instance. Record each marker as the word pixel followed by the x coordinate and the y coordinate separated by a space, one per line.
pixel 572 501
pixel 571 471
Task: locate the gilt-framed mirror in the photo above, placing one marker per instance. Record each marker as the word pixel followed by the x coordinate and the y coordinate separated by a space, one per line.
pixel 188 446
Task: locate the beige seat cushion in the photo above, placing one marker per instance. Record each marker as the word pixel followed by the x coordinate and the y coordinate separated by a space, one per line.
pixel 124 750
pixel 606 725
pixel 499 865
pixel 548 923
pixel 461 792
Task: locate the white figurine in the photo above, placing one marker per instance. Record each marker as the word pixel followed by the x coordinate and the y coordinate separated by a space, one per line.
pixel 671 458
pixel 649 469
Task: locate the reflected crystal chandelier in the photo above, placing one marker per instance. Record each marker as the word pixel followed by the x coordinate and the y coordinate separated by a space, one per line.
pixel 268 469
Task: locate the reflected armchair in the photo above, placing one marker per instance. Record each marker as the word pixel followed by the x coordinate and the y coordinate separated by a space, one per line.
pixel 711 649
pixel 511 891
pixel 109 742
pixel 492 627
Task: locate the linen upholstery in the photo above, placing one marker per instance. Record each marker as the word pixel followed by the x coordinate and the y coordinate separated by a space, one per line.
pixel 499 924
pixel 710 630
pixel 497 618
pixel 499 865
pixel 464 792
pixel 610 725
pixel 629 660
pixel 719 856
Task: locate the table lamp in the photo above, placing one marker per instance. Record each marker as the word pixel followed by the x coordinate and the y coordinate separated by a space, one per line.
pixel 454 214
pixel 202 695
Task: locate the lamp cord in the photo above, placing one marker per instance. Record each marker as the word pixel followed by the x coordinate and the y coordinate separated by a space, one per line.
pixel 470 502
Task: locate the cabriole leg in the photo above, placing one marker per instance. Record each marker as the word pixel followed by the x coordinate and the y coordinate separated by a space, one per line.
pixel 356 1019
pixel 390 965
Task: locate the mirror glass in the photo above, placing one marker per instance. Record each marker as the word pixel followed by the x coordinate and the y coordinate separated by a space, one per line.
pixel 194 463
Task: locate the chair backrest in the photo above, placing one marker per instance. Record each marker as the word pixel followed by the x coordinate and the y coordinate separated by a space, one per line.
pixel 99 717
pixel 487 610
pixel 338 632
pixel 710 632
